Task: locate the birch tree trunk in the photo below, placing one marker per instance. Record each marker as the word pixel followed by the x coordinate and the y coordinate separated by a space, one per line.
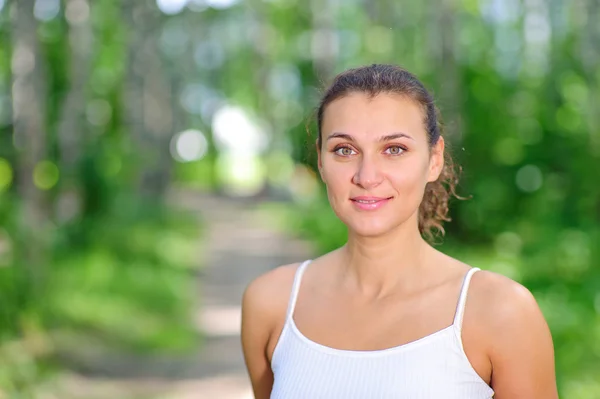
pixel 148 98
pixel 133 85
pixel 590 54
pixel 325 41
pixel 28 104
pixel 444 54
pixel 71 129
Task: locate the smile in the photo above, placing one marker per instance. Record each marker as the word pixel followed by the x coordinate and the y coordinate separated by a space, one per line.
pixel 369 203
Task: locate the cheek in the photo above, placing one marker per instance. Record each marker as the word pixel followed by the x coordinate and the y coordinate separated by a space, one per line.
pixel 335 178
pixel 338 181
pixel 411 178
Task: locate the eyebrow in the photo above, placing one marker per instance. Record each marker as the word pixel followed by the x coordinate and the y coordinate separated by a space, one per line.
pixel 388 137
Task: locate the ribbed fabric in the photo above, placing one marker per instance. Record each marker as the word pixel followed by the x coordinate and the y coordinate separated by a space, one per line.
pixel 431 367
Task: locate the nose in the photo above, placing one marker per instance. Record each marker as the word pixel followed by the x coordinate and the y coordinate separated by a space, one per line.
pixel 368 175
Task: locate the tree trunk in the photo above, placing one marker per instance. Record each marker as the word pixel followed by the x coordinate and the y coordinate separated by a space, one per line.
pixel 148 91
pixel 444 54
pixel 590 54
pixel 324 41
pixel 28 96
pixel 71 128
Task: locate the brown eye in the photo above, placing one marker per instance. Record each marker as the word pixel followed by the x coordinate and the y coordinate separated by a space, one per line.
pixel 395 150
pixel 344 151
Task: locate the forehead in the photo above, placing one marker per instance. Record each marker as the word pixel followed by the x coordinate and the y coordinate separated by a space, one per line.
pixel 359 114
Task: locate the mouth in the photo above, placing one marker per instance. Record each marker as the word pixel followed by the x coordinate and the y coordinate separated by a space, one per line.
pixel 370 203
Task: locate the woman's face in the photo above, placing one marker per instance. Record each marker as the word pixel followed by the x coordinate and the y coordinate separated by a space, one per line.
pixel 375 161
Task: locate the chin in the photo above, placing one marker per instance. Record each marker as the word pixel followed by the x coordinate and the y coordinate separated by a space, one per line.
pixel 376 224
pixel 370 228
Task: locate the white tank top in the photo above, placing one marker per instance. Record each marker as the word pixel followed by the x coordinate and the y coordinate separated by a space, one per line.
pixel 431 367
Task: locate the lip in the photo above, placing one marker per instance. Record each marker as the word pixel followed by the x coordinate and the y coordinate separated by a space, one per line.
pixel 373 204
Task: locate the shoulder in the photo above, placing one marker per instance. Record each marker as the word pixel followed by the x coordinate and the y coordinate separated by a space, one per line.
pixel 271 285
pixel 264 305
pixel 501 298
pixel 506 311
pixel 513 332
pixel 266 297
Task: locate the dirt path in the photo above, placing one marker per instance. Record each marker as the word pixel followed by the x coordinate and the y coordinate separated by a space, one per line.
pixel 239 247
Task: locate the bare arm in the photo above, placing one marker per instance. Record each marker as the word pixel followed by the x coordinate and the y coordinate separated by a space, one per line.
pixel 520 347
pixel 264 306
pixel 255 337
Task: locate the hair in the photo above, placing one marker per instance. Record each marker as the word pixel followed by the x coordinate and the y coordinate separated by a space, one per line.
pixel 390 79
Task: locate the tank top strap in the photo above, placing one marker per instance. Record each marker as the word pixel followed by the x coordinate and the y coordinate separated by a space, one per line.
pixel 462 299
pixel 296 288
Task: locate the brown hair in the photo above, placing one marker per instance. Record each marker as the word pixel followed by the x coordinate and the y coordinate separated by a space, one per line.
pixel 375 79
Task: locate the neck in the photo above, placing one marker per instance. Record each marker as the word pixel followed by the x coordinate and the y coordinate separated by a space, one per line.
pixel 377 266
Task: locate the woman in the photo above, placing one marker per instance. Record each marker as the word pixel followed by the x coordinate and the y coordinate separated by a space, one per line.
pixel 387 315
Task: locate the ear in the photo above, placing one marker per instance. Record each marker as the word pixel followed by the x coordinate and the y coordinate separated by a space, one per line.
pixel 436 160
pixel 319 159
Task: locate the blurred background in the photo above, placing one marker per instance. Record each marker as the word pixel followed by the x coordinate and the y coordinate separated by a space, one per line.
pixel 156 155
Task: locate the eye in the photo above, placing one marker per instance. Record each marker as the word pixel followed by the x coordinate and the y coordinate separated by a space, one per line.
pixel 395 150
pixel 344 151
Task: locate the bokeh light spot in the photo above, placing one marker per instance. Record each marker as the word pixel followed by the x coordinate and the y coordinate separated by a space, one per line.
pixel 573 88
pixel 284 82
pixel 508 243
pixel 529 178
pixel 509 151
pixel 6 174
pixel 174 39
pixel 209 54
pixel 233 130
pixel 171 7
pixel 111 164
pixel 98 112
pixel 77 12
pixel 530 131
pixel 45 10
pixel 189 145
pixel 242 174
pixel 569 119
pixel 45 175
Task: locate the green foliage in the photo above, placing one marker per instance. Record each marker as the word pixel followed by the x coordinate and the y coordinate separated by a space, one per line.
pixel 124 279
pixel 129 279
pixel 110 262
pixel 198 174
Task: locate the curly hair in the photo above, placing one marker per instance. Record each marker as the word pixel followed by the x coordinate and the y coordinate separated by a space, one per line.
pixel 379 78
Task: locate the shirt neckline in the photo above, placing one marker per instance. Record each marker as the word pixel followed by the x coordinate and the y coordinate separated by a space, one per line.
pixel 368 353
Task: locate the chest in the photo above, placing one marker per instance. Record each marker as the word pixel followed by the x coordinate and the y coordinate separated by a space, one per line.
pixel 340 322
